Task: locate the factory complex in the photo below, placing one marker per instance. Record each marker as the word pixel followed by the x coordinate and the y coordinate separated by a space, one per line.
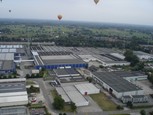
pixel 73 73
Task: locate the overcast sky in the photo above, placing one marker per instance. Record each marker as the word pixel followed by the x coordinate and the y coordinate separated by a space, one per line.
pixel 114 11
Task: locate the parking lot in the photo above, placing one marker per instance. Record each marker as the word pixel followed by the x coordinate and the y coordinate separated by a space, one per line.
pixel 146 86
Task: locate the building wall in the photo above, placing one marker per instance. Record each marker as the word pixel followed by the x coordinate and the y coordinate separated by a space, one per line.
pixel 120 94
pixel 136 78
pixel 62 65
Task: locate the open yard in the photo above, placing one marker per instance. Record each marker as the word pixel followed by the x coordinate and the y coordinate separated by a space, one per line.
pixel 102 100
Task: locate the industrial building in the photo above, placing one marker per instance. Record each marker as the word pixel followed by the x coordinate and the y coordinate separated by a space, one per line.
pixel 143 56
pixel 71 94
pixel 52 60
pixel 108 60
pixel 7 64
pixel 13 92
pixel 116 85
pixel 135 99
pixel 87 88
pixel 66 75
pixel 17 110
pixel 53 57
pixel 130 76
pixel 66 72
pixel 9 55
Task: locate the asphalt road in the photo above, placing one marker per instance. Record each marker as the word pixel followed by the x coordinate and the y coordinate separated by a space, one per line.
pixel 47 96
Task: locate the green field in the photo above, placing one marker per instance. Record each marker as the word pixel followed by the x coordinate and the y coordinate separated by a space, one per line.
pixel 102 100
pixel 54 93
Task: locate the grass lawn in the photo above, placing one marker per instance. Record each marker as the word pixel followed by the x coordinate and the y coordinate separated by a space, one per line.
pixel 30 82
pixel 102 100
pixel 67 108
pixel 36 105
pixel 54 93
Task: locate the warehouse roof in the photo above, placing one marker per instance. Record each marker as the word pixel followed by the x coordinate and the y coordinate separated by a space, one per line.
pixel 64 61
pixel 141 53
pixel 128 73
pixel 55 53
pixel 6 56
pixel 72 71
pixel 6 65
pixel 125 73
pixel 12 87
pixel 12 92
pixel 117 83
pixel 87 87
pixel 63 94
pixel 18 110
pixel 11 46
pixel 56 60
pixel 75 96
pixel 66 71
pixel 61 72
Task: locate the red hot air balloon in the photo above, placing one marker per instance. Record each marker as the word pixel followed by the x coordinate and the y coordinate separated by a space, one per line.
pixel 96 1
pixel 59 17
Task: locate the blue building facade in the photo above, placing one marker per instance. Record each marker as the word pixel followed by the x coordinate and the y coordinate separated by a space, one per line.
pixel 83 65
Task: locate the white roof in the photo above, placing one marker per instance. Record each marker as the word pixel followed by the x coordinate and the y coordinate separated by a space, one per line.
pixel 6 56
pixel 35 53
pixel 13 99
pixel 12 80
pixel 12 50
pixel 58 57
pixel 61 92
pixel 118 55
pixel 5 50
pixel 13 94
pixel 87 87
pixel 75 96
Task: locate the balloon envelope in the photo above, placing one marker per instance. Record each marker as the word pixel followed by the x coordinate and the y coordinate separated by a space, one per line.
pixel 59 17
pixel 9 10
pixel 96 1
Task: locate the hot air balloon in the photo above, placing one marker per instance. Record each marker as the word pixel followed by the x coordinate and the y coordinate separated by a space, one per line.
pixel 9 10
pixel 96 1
pixel 59 17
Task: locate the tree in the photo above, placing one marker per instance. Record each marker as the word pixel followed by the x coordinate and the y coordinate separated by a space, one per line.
pixel 33 89
pixel 27 76
pixel 138 66
pixel 143 112
pixel 130 57
pixel 129 104
pixel 89 79
pixel 119 107
pixel 58 103
pixel 73 106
